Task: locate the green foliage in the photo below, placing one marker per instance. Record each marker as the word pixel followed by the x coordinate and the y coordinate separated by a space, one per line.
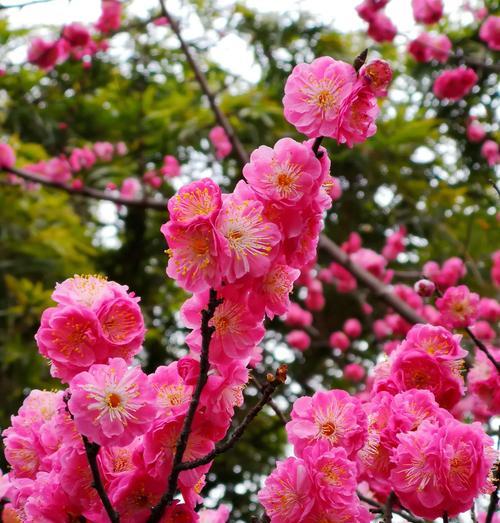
pixel 148 97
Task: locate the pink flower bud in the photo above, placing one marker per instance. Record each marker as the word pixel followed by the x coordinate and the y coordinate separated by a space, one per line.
pixel 424 288
pixel 338 340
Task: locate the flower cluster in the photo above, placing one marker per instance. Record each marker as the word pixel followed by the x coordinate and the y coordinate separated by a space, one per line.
pixel 454 84
pixel 76 41
pixel 380 27
pixel 427 47
pixel 328 98
pixel 221 142
pixel 319 484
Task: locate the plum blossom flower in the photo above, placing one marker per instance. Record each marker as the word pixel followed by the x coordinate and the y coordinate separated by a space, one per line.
pixel 454 84
pixel 354 372
pixel 427 11
pixel 7 156
pixel 171 167
pixel 220 141
pixel 285 174
pixel 490 32
pixel 111 404
pixel 458 307
pixel 332 418
pixel 298 339
pixel 110 18
pixel 381 28
pixel 475 131
pixel 288 493
pixel 490 152
pixel 45 54
pixel 314 94
pixel 249 236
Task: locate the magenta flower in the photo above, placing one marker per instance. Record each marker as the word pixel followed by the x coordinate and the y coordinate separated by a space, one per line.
pixel 112 404
pixel 7 156
pixel 288 493
pixel 427 11
pixel 458 307
pixel 314 94
pixel 454 84
pixel 436 341
pixel 490 32
pixel 332 419
pixel 298 339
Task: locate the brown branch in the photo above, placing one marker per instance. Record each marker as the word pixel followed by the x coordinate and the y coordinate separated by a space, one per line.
pixel 389 507
pixel 380 509
pixel 482 347
pixel 25 4
pixel 207 331
pixel 271 402
pixel 492 507
pixel 379 289
pixel 445 517
pixel 202 80
pixel 88 192
pixel 91 451
pixel 272 384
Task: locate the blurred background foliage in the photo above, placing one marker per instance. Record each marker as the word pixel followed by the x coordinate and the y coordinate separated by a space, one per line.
pixel 418 171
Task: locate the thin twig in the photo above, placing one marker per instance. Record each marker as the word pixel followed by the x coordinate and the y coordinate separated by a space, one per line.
pixel 389 508
pixel 445 517
pixel 24 4
pixel 271 402
pixel 482 347
pixel 271 385
pixel 380 508
pixel 202 80
pixel 207 331
pixel 88 192
pixel 492 507
pixel 92 450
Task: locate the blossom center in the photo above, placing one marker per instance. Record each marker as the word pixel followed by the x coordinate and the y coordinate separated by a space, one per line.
pixel 328 429
pixel 114 400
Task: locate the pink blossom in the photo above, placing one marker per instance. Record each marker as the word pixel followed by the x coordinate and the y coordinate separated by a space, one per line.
pixel 195 202
pixel 111 404
pixel 298 339
pixel 7 156
pixel 221 515
pixel 250 237
pixel 333 475
pixel 490 32
pixel 458 307
pixel 69 336
pixel 484 382
pixel 130 189
pixel 171 167
pixel 437 341
pixel 454 84
pixel 121 148
pixel 427 11
pixel 57 169
pixel 415 369
pixel 104 151
pixel 83 158
pixel 332 419
pixel 344 280
pixel 237 329
pixel 489 309
pixel 395 244
pixel 314 94
pixel 162 20
pixel 495 268
pixel 381 28
pixel 76 34
pixel 427 47
pixel 338 340
pixel 45 54
pixel 371 261
pixel 288 493
pixel 352 327
pixel 354 372
pixel 357 116
pixel 377 74
pixel 110 19
pixel 285 174
pixel 442 468
pixel 220 141
pixel 367 9
pixel 424 288
pixel 296 316
pixel 275 289
pixel 490 152
pixel 475 131
pixel 451 271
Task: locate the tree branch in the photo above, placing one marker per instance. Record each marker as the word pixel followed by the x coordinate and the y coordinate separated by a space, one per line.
pixel 202 80
pixel 380 508
pixel 271 402
pixel 272 383
pixel 24 4
pixel 445 517
pixel 88 192
pixel 207 331
pixel 492 507
pixel 389 507
pixel 379 289
pixel 482 347
pixel 92 450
